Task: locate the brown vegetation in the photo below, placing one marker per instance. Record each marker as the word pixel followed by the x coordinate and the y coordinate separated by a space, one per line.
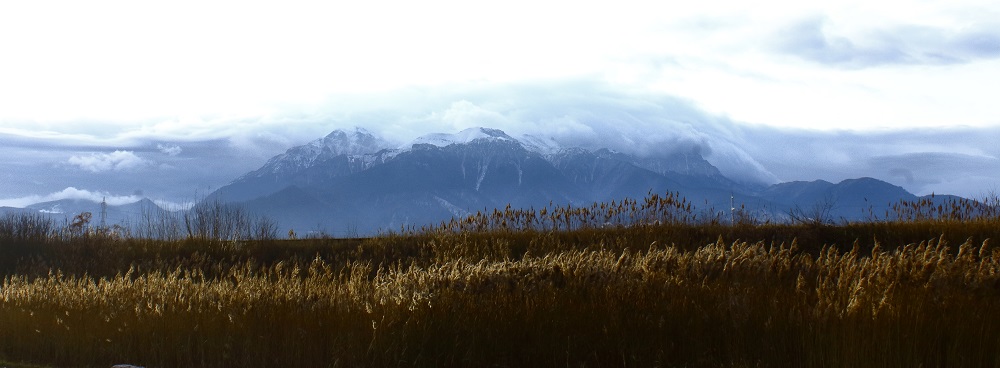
pixel 623 284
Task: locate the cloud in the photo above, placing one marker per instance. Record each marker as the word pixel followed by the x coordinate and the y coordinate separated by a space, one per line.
pixel 464 113
pixel 70 193
pixel 169 149
pixel 816 39
pixel 982 44
pixel 578 112
pixel 575 112
pixel 960 161
pixel 595 115
pixel 905 174
pixel 939 172
pixel 115 161
pixel 809 40
pixel 93 196
pixel 708 52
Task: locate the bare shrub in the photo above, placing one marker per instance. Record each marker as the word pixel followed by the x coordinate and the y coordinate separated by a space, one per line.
pixel 227 222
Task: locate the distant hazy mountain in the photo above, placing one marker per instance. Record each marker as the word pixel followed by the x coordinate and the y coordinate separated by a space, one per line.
pixel 63 211
pixel 851 199
pixel 355 182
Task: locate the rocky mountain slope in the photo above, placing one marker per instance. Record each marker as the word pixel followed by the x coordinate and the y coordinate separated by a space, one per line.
pixel 353 182
pixel 356 183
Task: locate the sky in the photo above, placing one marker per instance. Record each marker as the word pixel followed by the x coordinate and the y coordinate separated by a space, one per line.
pixel 171 100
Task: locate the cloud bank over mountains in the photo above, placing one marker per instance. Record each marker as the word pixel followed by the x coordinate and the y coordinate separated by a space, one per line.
pixel 902 91
pixel 175 160
pixel 92 196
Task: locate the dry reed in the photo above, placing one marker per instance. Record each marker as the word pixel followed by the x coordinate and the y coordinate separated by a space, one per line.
pixel 524 294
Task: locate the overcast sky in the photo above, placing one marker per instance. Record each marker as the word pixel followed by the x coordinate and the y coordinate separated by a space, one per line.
pixel 173 99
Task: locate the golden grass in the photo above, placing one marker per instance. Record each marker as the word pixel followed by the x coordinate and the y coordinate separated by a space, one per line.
pixel 739 304
pixel 662 293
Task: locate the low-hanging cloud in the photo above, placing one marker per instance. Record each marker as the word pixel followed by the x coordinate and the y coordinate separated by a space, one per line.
pixel 960 161
pixel 71 193
pixel 169 149
pixel 581 113
pixel 941 172
pixel 90 195
pixel 577 112
pixel 114 161
pixel 463 113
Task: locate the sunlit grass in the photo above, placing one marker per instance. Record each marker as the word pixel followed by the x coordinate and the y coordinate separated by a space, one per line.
pixel 507 289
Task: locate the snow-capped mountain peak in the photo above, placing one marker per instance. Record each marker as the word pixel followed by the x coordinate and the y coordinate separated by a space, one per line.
pixel 464 137
pixel 356 142
pixel 349 177
pixel 542 146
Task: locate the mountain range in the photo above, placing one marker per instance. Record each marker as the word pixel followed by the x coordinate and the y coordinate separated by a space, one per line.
pixel 64 210
pixel 354 182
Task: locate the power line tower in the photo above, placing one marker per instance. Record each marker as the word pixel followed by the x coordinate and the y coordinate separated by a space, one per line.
pixel 104 212
pixel 732 208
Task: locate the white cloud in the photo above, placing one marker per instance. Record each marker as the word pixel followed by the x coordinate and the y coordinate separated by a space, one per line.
pixel 951 161
pixel 93 196
pixel 115 161
pixel 464 114
pixel 70 193
pixel 813 40
pixel 169 149
pixel 574 113
pixel 171 74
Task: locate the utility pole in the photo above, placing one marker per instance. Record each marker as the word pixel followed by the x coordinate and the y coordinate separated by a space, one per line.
pixel 732 208
pixel 104 212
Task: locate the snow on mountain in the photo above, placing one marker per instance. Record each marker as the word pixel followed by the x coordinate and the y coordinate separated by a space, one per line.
pixel 343 153
pixel 354 178
pixel 359 142
pixel 543 146
pixel 540 145
pixel 464 137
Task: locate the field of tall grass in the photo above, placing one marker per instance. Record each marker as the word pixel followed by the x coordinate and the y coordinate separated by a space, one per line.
pixel 631 283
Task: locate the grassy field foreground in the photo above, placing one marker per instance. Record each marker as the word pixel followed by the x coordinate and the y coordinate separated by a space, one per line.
pixel 629 296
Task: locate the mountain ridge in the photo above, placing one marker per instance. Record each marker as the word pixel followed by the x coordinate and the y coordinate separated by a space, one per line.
pixel 442 175
pixel 354 179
